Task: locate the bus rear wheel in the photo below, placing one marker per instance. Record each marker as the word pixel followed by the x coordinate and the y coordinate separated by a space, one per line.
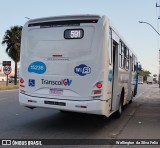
pixel 118 113
pixel 130 101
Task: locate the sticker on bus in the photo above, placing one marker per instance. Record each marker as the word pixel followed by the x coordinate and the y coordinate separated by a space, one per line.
pixel 56 91
pixel 110 76
pixel 82 70
pixel 37 67
pixel 31 83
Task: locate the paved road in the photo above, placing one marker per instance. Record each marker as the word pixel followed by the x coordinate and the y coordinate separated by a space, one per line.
pixel 141 119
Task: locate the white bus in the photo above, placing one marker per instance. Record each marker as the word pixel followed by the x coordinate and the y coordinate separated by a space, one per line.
pixel 76 63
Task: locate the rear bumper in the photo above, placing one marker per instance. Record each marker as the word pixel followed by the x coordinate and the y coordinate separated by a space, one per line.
pixel 91 107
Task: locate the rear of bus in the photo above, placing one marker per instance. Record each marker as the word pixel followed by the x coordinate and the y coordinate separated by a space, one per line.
pixel 61 64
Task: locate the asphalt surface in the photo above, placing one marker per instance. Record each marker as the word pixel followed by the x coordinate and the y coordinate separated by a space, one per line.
pixel 140 120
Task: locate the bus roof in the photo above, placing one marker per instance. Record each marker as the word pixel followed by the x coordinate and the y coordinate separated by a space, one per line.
pixel 65 17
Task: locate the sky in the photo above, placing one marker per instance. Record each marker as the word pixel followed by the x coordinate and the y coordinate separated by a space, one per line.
pixel 124 14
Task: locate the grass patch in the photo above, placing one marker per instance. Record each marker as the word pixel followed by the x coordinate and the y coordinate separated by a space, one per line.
pixel 10 86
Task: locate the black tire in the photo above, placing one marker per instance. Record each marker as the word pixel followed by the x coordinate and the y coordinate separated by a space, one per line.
pixel 130 101
pixel 118 113
pixel 64 111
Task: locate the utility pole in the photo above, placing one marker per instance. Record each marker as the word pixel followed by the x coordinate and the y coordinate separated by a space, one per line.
pixel 159 54
pixel 27 18
pixel 159 68
pixel 159 35
pixel 151 26
pixel 157 5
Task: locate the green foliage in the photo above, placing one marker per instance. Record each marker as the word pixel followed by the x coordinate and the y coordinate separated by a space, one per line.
pixel 154 75
pixel 145 74
pixel 12 40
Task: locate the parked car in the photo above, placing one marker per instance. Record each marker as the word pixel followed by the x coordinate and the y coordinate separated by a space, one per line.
pixel 140 82
pixel 11 79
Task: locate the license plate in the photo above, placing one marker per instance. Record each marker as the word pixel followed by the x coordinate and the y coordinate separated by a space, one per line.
pixel 55 103
pixel 56 91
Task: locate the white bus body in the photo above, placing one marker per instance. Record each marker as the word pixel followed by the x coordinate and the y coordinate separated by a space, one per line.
pixel 76 63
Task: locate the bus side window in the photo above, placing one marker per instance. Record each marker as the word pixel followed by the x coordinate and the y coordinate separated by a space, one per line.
pixel 120 46
pixel 127 59
pixel 121 55
pixel 110 46
pixel 133 61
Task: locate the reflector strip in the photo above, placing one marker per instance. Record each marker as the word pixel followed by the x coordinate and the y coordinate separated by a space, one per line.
pixel 81 106
pixel 97 91
pixel 21 86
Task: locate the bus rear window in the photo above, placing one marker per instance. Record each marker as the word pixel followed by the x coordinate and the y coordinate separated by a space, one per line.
pixel 73 34
pixel 62 23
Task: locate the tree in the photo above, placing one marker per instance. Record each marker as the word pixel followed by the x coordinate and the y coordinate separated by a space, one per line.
pixel 154 75
pixel 145 74
pixel 12 39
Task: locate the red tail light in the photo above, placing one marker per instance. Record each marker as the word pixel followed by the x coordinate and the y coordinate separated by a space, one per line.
pixel 99 85
pixel 21 80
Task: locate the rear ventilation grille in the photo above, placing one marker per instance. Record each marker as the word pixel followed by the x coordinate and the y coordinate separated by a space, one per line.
pixel 61 23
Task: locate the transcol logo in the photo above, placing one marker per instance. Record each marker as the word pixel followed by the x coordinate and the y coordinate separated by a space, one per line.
pixel 82 70
pixel 65 82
